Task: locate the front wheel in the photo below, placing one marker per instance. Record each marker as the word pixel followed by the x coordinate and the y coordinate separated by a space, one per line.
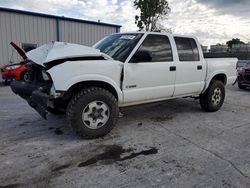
pixel 92 112
pixel 213 98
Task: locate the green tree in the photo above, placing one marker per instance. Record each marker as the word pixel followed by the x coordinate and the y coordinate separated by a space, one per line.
pixel 234 41
pixel 152 11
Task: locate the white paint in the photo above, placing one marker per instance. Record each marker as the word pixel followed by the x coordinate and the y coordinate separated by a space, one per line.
pixel 217 66
pixel 189 80
pixel 60 50
pixel 69 73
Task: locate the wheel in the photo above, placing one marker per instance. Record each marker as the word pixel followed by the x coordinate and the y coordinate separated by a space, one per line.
pixel 241 86
pixel 6 82
pixel 24 76
pixel 213 98
pixel 92 112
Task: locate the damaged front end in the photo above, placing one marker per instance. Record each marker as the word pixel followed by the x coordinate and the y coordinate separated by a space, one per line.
pixel 36 89
pixel 39 89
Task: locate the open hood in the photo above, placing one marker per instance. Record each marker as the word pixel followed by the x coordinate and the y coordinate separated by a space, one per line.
pixel 61 50
pixel 19 50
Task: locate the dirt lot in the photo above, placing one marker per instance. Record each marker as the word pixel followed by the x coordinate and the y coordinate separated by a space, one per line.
pixel 169 144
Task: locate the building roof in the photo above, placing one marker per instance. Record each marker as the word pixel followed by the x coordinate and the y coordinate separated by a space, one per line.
pixel 56 17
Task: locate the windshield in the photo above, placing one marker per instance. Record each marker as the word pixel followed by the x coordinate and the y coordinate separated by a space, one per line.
pixel 118 46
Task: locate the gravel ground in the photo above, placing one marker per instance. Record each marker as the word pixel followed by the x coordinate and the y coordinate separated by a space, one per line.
pixel 168 144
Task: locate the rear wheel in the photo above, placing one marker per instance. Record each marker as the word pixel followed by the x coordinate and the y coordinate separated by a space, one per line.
pixel 92 112
pixel 24 76
pixel 213 97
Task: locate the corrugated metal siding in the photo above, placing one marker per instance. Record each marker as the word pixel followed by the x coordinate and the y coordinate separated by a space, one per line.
pixel 23 29
pixel 86 34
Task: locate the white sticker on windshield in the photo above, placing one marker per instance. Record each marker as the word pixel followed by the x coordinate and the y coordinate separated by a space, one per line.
pixel 127 37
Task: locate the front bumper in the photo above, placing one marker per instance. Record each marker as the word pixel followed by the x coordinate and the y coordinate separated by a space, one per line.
pixel 33 94
pixel 8 74
pixel 4 74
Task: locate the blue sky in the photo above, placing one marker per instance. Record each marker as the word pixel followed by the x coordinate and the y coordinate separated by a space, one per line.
pixel 212 21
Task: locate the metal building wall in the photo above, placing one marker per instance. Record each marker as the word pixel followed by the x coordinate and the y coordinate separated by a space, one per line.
pixel 36 28
pixel 86 34
pixel 22 28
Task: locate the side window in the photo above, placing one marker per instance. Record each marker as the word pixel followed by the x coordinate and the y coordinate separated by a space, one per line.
pixel 155 48
pixel 28 46
pixel 187 49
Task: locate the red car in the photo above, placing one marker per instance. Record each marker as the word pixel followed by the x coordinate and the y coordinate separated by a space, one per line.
pixel 243 67
pixel 14 71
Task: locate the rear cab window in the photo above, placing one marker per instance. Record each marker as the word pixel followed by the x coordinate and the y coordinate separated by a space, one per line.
pixel 187 49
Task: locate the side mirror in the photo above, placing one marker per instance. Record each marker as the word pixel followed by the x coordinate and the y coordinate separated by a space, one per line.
pixel 141 56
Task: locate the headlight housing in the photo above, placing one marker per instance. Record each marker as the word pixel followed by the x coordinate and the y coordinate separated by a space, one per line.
pixel 12 67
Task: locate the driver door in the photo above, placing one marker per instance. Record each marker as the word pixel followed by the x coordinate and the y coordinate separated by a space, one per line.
pixel 150 73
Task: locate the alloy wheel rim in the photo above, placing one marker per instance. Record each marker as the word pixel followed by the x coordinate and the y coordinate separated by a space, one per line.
pixel 95 114
pixel 26 77
pixel 217 96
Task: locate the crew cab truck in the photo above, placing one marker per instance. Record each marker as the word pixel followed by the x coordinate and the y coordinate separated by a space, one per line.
pixel 90 84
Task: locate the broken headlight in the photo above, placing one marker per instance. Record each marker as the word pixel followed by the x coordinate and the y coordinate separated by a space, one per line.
pixel 45 75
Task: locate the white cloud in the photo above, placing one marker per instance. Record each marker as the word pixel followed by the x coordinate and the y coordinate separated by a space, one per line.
pixel 190 17
pixel 186 17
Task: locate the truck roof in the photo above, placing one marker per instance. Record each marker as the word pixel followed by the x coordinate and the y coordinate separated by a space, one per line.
pixel 158 33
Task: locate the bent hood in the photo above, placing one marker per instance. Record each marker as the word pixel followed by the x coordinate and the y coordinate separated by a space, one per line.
pixel 62 50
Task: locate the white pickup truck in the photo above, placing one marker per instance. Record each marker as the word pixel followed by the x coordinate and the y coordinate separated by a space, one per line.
pixel 91 83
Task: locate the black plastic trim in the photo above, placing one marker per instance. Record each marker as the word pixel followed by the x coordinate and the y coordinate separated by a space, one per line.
pixel 60 61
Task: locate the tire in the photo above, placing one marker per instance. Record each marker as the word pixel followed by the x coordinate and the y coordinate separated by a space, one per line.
pixel 23 76
pixel 6 83
pixel 92 112
pixel 213 98
pixel 8 80
pixel 241 86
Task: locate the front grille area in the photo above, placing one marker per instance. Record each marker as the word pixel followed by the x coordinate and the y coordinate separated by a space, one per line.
pixel 247 77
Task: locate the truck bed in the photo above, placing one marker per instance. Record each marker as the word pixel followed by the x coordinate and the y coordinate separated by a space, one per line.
pixel 226 65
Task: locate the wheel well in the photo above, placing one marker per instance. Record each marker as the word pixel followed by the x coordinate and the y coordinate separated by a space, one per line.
pixel 221 77
pixel 81 85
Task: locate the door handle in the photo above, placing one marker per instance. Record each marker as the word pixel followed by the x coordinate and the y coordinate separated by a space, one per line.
pixel 172 68
pixel 199 67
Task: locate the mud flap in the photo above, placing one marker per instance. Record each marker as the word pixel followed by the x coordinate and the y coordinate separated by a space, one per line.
pixel 235 81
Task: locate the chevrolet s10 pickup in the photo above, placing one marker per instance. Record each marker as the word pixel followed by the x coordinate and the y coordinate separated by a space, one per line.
pixel 90 84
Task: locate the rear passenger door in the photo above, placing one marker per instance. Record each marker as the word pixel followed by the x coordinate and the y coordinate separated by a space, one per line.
pixel 190 69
